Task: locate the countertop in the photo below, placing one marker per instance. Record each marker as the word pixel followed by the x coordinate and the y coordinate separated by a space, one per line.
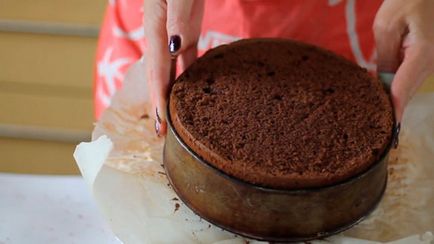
pixel 49 209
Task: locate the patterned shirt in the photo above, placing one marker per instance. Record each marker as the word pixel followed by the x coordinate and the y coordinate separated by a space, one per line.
pixel 342 26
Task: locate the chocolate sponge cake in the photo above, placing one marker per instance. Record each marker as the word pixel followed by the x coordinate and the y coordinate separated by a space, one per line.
pixel 281 114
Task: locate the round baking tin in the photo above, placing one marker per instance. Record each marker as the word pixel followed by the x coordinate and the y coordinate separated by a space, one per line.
pixel 270 214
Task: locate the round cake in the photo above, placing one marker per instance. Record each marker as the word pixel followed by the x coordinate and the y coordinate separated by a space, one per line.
pixel 281 114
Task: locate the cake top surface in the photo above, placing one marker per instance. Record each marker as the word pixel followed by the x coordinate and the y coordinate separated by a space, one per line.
pixel 281 114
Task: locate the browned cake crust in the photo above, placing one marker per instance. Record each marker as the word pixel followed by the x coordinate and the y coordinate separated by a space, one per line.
pixel 281 114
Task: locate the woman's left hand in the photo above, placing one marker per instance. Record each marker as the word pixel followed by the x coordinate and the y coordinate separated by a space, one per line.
pixel 404 35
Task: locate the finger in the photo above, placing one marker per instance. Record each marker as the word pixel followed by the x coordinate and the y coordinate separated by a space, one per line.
pixel 414 69
pixel 183 24
pixel 158 59
pixel 388 32
pixel 188 57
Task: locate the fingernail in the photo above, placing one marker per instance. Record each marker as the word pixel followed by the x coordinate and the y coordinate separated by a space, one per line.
pixel 157 116
pixel 157 122
pixel 174 44
pixel 396 134
pixel 157 128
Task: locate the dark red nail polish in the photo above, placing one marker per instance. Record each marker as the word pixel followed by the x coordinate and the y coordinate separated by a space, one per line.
pixel 157 128
pixel 157 116
pixel 396 134
pixel 174 44
pixel 157 122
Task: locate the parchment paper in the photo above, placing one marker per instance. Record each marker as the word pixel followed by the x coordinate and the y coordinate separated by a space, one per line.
pixel 123 167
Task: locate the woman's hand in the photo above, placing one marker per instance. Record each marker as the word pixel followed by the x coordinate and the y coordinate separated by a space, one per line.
pixel 172 27
pixel 404 34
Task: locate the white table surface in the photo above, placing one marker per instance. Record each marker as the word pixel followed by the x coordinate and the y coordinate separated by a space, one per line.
pixel 49 209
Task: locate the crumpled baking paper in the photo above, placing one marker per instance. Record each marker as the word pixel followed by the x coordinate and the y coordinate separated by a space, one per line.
pixel 123 168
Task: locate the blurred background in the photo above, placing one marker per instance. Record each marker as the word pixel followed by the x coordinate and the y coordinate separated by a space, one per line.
pixel 47 50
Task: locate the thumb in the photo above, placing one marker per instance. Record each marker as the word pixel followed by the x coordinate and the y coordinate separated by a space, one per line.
pixel 414 69
pixel 388 33
pixel 158 60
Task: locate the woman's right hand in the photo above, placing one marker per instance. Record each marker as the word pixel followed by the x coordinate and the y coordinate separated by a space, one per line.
pixel 172 27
